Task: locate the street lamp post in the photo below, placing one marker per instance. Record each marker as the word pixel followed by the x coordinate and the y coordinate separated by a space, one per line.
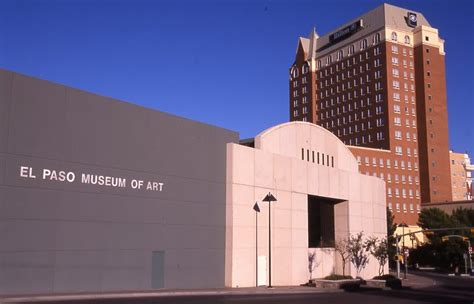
pixel 257 210
pixel 398 255
pixel 403 225
pixel 269 198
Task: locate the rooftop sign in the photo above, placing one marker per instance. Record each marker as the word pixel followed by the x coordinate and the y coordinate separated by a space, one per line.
pixel 411 19
pixel 346 32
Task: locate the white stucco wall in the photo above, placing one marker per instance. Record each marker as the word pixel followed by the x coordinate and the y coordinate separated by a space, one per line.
pixel 275 166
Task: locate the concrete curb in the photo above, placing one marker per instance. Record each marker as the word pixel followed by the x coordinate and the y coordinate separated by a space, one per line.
pixel 158 294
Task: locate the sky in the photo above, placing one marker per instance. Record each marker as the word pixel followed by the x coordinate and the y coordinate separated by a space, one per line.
pixel 224 63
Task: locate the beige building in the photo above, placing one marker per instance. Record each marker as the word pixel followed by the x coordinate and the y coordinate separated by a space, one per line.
pixel 321 198
pixel 461 176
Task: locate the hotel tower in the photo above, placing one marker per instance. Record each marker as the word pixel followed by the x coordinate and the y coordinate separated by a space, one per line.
pixel 378 83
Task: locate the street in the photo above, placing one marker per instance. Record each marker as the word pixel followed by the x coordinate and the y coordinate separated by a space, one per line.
pixel 424 288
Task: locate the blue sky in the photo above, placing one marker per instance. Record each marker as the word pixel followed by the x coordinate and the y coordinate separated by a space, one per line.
pixel 220 62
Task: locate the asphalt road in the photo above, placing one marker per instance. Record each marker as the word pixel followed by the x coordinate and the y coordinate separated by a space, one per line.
pixel 444 289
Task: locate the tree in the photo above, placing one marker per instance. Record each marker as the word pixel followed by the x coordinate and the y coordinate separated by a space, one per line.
pixel 359 251
pixel 434 218
pixel 379 250
pixel 463 217
pixel 391 228
pixel 444 254
pixel 312 263
pixel 342 247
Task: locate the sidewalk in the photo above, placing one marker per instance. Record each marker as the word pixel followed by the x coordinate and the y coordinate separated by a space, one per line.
pixel 415 281
pixel 42 298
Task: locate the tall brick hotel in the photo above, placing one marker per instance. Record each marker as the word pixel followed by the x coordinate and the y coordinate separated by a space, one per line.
pixel 378 83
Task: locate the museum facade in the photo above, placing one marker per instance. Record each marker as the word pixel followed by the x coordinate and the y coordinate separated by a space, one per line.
pixel 99 195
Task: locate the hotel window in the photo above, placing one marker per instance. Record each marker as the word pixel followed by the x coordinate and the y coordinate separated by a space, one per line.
pixel 407 39
pixel 295 103
pixel 305 68
pixel 295 113
pixel 389 178
pixel 363 44
pixel 398 134
pixel 366 160
pixel 394 49
pixel 396 84
pixel 413 123
pixel 388 163
pixel 389 191
pixel 294 72
pixel 374 162
pixel 305 110
pixel 397 121
pixel 416 168
pixel 397 205
pixel 404 207
pixel 404 51
pixel 340 55
pixel 404 63
pixel 378 98
pixel 403 178
pixel 410 180
pixel 402 164
pixel 396 178
pixel 397 192
pixel 415 152
pixel 412 87
pixel 413 99
pixel 319 65
pixel 377 38
pixel 396 108
pixel 417 193
pixel 358 160
pixel 351 50
pixel 390 206
pixel 395 72
pixel 395 163
pixel 394 36
pixel 328 60
pixel 394 60
pixel 409 153
pixel 404 193
pixel 396 96
pixel 418 209
pixel 413 113
pixel 409 165
pixel 410 52
pixel 405 75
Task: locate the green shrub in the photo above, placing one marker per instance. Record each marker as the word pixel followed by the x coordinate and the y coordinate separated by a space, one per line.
pixel 385 277
pixel 336 277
